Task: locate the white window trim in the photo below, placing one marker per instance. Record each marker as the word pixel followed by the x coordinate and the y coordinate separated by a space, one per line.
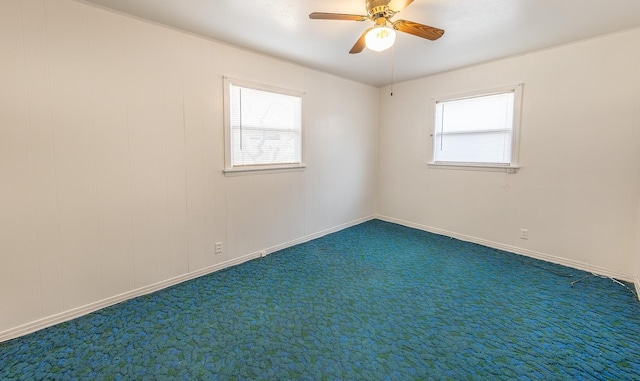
pixel 515 138
pixel 265 168
pixel 273 168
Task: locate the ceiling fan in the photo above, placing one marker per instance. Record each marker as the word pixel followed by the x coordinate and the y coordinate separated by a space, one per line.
pixel 381 36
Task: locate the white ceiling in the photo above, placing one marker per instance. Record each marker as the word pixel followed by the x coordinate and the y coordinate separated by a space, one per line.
pixel 475 30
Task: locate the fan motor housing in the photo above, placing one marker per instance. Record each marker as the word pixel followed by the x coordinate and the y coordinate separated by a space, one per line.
pixel 378 8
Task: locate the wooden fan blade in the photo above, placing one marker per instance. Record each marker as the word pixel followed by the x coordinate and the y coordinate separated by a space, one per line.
pixel 420 30
pixel 360 44
pixel 336 16
pixel 398 5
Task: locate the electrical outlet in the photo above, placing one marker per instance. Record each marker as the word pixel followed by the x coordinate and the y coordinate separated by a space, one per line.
pixel 218 247
pixel 524 233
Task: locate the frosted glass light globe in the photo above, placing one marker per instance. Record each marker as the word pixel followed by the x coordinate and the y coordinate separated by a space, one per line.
pixel 380 38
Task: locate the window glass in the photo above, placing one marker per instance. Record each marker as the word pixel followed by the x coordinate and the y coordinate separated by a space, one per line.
pixel 264 127
pixel 479 129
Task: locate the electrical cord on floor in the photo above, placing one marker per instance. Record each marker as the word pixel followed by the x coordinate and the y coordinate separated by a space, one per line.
pixel 633 292
pixel 580 280
pixel 605 277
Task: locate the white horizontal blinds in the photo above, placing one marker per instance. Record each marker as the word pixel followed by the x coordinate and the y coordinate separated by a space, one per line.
pixel 475 130
pixel 265 127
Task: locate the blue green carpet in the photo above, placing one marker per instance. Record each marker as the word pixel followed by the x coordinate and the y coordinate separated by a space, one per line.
pixel 376 301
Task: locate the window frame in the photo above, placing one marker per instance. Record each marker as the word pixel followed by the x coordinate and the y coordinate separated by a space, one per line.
pixel 229 169
pixel 511 167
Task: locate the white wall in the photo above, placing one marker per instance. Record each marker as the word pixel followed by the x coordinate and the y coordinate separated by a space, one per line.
pixel 577 191
pixel 637 259
pixel 637 267
pixel 111 158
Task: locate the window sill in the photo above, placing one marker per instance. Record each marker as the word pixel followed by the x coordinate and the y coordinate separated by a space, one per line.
pixel 475 167
pixel 239 171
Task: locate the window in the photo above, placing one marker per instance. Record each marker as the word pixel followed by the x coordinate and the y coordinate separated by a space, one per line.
pixel 263 127
pixel 478 130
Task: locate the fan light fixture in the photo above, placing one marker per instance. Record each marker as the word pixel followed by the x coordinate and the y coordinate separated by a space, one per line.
pixel 383 34
pixel 380 38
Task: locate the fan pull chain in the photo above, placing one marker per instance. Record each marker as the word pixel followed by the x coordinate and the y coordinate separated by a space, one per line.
pixel 393 61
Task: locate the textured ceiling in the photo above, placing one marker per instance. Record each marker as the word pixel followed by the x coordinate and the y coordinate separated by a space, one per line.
pixel 476 30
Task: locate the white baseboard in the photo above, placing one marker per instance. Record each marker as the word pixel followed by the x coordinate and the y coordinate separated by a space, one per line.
pixel 636 282
pixel 51 320
pixel 517 250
